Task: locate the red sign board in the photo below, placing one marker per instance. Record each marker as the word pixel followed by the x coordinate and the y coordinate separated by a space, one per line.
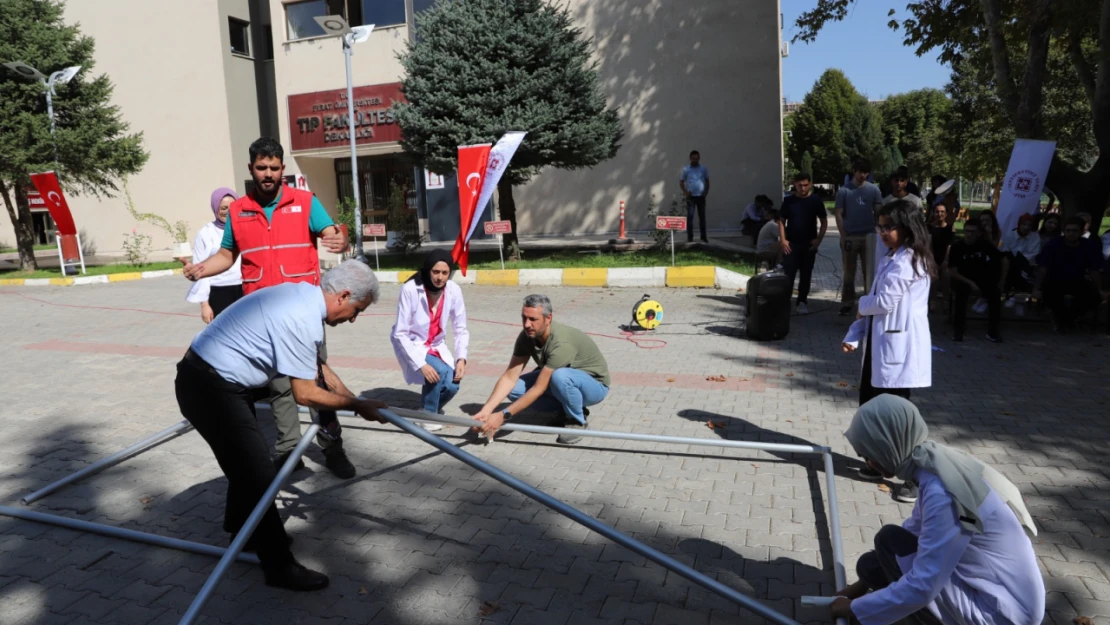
pixel 373 230
pixel 319 119
pixel 670 223
pixel 498 227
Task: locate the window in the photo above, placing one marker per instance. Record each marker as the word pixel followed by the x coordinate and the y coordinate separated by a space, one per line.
pixel 240 36
pixel 383 13
pixel 299 17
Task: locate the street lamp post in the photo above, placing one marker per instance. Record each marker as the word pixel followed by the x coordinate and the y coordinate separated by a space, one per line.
pixel 59 77
pixel 336 25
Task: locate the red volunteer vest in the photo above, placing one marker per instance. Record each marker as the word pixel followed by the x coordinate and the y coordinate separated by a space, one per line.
pixel 277 251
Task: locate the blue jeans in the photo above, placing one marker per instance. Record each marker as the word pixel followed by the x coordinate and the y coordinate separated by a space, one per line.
pixel 437 395
pixel 569 390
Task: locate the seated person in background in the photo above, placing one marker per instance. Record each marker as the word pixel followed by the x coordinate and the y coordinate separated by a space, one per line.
pixel 899 182
pixel 963 556
pixel 1069 275
pixel 1050 228
pixel 1086 217
pixel 1019 258
pixel 571 373
pixel 768 246
pixel 975 266
pixel 940 239
pixel 755 216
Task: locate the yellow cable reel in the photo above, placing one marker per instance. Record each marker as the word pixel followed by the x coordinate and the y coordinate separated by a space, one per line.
pixel 647 313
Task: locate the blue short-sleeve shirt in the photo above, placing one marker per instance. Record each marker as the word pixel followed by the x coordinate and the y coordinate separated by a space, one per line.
pixel 695 178
pixel 272 332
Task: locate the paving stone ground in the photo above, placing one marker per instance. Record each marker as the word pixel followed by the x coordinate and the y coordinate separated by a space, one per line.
pixel 419 538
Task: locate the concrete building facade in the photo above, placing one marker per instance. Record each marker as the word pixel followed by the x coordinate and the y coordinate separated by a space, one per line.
pixel 216 74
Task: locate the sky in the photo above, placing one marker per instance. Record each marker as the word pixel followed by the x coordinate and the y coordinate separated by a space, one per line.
pixel 863 47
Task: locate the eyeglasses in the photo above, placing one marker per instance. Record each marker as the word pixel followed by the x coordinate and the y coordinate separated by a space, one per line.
pixel 881 229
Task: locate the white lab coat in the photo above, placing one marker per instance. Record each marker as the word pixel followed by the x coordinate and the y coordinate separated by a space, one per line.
pixel 205 246
pixel 410 332
pixel 902 347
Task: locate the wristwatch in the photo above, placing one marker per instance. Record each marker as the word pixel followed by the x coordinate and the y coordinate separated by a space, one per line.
pixel 508 415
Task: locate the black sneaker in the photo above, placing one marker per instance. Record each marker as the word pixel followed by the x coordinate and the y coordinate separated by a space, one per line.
pixel 335 459
pixel 294 576
pixel 994 338
pixel 907 493
pixel 279 461
pixel 869 474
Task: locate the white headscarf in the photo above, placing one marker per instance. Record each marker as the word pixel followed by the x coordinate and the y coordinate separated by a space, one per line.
pixel 890 432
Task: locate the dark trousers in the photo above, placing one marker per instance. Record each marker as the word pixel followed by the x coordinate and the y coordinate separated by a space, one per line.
pixel 988 289
pixel 695 202
pixel 223 414
pixel 879 568
pixel 867 392
pixel 1069 299
pixel 801 258
pixel 1020 276
pixel 220 297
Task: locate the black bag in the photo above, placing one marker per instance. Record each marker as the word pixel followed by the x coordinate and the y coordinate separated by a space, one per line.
pixel 768 314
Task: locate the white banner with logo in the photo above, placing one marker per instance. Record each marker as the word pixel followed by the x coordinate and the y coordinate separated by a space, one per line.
pixel 1024 182
pixel 499 158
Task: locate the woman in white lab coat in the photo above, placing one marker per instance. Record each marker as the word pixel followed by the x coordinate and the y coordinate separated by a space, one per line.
pixel 429 301
pixel 963 555
pixel 893 320
pixel 220 291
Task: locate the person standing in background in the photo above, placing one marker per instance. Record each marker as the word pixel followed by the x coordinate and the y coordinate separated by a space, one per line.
pixel 222 290
pixel 695 186
pixel 856 206
pixel 799 219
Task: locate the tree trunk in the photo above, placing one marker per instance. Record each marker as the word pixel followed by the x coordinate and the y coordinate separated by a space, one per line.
pixel 23 224
pixel 507 206
pixel 1081 191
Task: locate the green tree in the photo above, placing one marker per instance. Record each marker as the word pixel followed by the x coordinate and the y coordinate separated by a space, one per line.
pixel 913 128
pixel 94 150
pixel 483 67
pixel 835 124
pixel 1020 38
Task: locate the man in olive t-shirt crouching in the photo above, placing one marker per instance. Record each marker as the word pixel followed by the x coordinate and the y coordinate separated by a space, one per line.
pixel 571 373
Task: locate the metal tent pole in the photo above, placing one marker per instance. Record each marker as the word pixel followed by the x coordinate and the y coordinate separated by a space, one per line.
pixel 116 458
pixel 589 522
pixel 119 532
pixel 834 528
pixel 248 528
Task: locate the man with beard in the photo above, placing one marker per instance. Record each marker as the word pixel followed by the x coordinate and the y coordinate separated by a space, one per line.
pixel 274 228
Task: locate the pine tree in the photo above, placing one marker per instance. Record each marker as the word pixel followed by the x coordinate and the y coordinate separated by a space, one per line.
pixel 480 68
pixel 93 147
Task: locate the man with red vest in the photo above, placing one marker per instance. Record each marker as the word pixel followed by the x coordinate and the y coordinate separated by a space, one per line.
pixel 274 229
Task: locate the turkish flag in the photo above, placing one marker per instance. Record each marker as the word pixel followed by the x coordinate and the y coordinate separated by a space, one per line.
pixel 472 172
pixel 47 185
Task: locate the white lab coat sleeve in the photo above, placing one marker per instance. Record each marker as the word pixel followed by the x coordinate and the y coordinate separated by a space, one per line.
pixel 402 329
pixel 200 290
pixel 891 289
pixel 856 332
pixel 940 545
pixel 458 323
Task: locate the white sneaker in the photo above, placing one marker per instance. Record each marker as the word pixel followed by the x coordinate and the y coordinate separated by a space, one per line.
pixel 802 308
pixel 1010 302
pixel 431 427
pixel 980 306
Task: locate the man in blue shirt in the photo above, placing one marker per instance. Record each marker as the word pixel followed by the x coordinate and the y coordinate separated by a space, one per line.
pixel 272 332
pixel 799 218
pixel 695 186
pixel 857 203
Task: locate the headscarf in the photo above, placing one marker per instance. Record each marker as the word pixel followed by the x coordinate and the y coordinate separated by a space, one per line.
pixel 424 276
pixel 217 197
pixel 889 431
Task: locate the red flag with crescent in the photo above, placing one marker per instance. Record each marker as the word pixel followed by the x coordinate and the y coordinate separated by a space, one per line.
pixel 472 172
pixel 47 185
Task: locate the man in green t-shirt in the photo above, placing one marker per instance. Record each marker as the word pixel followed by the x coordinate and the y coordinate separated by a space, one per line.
pixel 571 373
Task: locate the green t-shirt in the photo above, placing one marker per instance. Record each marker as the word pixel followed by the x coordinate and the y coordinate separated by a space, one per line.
pixel 565 347
pixel 318 219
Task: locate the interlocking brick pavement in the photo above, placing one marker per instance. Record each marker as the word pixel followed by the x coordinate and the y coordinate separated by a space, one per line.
pixel 418 538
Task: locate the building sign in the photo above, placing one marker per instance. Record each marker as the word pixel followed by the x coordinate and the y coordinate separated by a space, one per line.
pixel 373 230
pixel 319 119
pixel 35 201
pixel 670 223
pixel 498 227
pixel 432 180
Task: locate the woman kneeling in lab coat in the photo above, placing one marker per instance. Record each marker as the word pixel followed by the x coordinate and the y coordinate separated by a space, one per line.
pixel 963 556
pixel 893 320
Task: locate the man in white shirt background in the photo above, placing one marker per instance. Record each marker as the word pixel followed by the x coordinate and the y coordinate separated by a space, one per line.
pixel 1020 248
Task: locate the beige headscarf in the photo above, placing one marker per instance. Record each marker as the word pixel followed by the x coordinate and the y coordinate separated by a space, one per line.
pixel 889 431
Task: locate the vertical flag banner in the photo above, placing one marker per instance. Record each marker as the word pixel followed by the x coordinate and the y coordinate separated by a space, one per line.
pixel 1021 189
pixel 47 185
pixel 471 171
pixel 499 158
